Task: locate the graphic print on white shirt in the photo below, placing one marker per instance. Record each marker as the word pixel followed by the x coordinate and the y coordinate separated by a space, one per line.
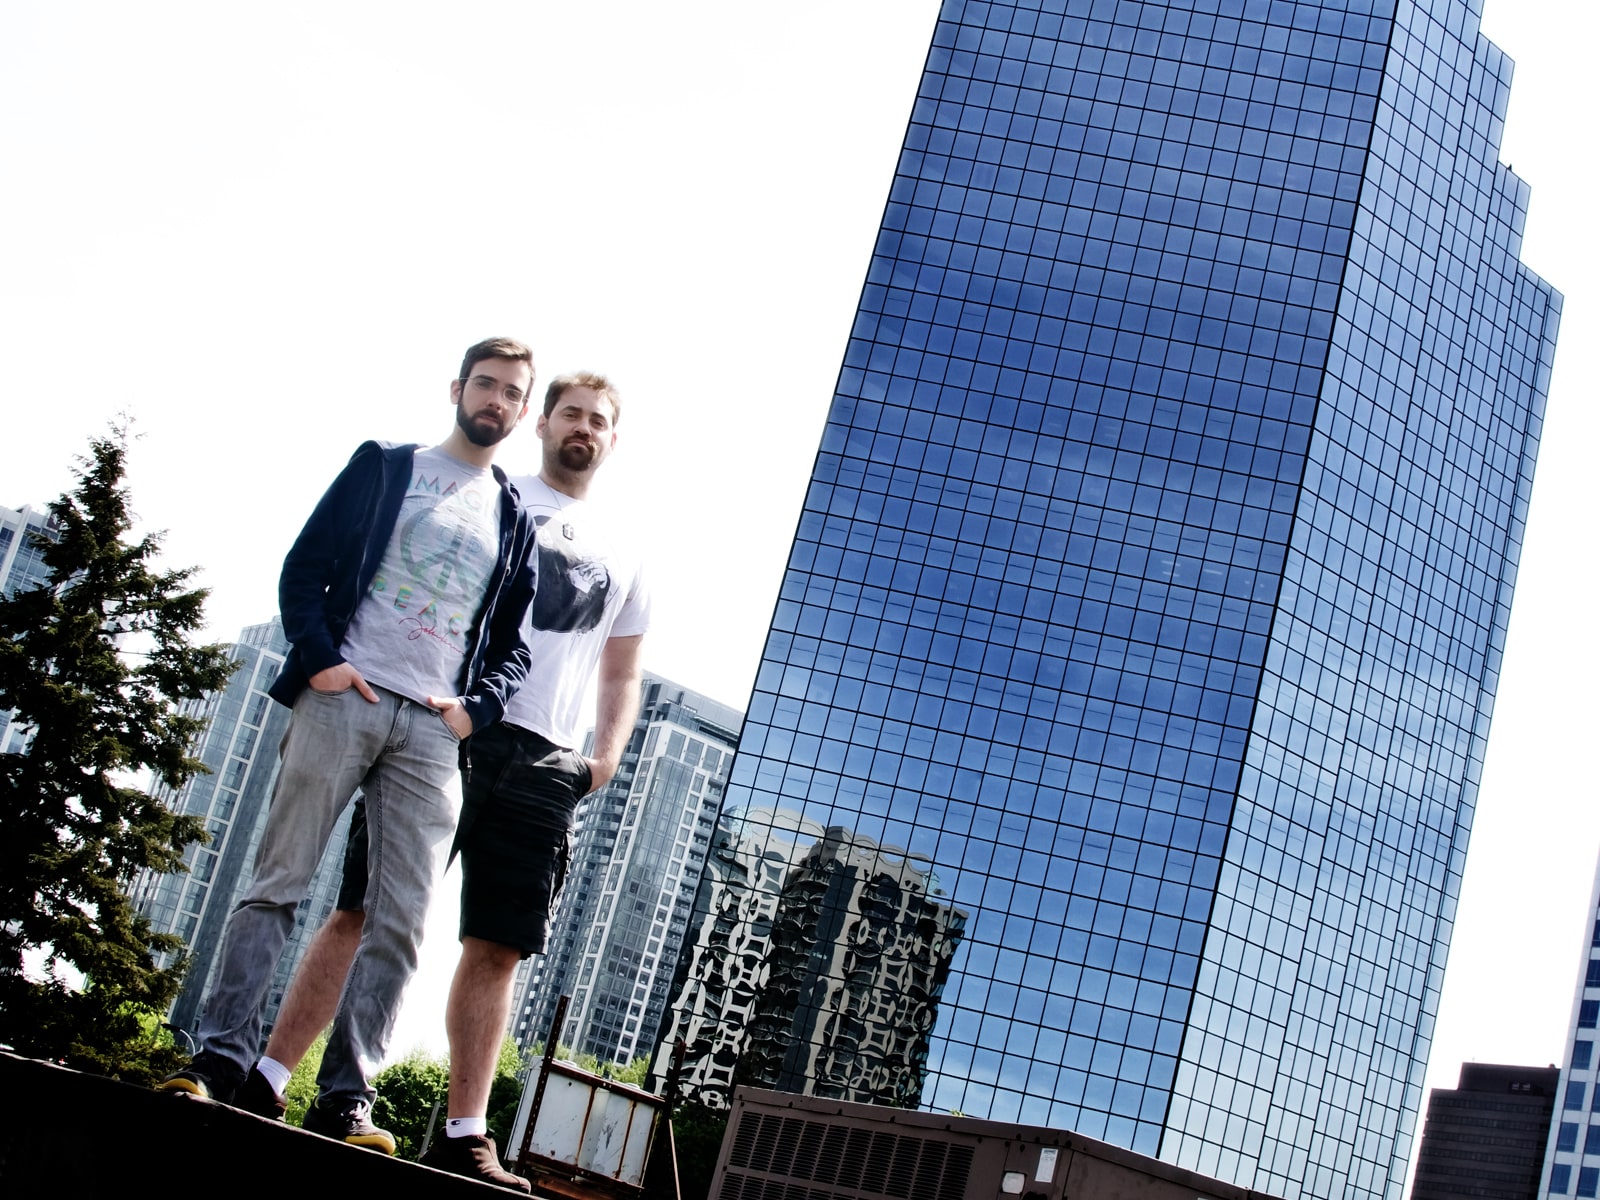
pixel 590 588
pixel 573 587
pixel 411 630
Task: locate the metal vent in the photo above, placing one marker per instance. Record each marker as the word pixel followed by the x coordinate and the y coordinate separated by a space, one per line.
pixel 743 1138
pixel 859 1161
pixel 953 1174
pixel 859 1164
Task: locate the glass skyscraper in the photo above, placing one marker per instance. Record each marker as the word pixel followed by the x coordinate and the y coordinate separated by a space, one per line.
pixel 1146 608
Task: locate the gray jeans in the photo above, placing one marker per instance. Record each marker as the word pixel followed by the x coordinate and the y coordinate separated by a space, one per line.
pixel 403 757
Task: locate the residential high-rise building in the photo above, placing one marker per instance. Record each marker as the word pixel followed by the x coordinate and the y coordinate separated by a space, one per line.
pixel 1153 578
pixel 1485 1138
pixel 240 748
pixel 21 560
pixel 637 856
pixel 21 569
pixel 1572 1153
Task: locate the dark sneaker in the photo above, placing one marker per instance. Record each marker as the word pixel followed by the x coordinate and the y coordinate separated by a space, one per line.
pixel 255 1095
pixel 347 1121
pixel 208 1076
pixel 473 1156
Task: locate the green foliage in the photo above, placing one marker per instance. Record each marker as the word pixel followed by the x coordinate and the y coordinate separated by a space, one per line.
pixel 407 1093
pixel 510 1061
pixel 408 1089
pixel 697 1133
pixel 505 1094
pixel 301 1089
pixel 96 662
pixel 633 1074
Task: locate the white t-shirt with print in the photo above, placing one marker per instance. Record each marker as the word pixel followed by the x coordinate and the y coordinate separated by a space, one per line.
pixel 412 630
pixel 591 588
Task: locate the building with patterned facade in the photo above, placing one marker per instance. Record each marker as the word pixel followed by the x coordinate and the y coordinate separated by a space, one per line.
pixel 240 749
pixel 1153 578
pixel 637 857
pixel 859 957
pixel 722 968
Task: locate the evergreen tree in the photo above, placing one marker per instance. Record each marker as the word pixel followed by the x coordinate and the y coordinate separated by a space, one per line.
pixel 96 662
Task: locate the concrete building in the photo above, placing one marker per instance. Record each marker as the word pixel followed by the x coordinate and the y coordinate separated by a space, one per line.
pixel 860 952
pixel 1485 1139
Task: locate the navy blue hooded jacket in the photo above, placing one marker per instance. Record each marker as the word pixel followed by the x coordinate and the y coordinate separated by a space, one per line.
pixel 332 563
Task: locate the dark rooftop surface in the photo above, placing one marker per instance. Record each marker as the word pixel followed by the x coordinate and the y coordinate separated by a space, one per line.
pixel 63 1133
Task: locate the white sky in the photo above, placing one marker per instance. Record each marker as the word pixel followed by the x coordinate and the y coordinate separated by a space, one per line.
pixel 269 234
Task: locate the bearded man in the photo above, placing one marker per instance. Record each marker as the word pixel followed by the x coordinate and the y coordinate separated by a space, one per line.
pixel 402 600
pixel 527 777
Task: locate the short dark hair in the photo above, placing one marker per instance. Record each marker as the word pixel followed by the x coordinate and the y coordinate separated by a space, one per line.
pixel 498 347
pixel 588 379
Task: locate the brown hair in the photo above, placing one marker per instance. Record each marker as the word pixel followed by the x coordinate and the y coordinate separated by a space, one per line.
pixel 499 347
pixel 588 379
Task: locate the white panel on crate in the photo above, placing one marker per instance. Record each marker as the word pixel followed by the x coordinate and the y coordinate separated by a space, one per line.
pixel 594 1129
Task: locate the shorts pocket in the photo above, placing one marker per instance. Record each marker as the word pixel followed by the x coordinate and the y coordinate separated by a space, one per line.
pixel 563 862
pixel 582 776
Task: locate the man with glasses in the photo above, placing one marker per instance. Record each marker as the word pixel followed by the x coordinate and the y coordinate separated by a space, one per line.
pixel 402 600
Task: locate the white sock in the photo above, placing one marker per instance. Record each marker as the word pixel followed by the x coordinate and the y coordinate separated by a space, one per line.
pixel 276 1073
pixel 466 1126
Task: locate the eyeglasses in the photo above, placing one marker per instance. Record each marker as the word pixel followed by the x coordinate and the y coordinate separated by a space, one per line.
pixel 488 384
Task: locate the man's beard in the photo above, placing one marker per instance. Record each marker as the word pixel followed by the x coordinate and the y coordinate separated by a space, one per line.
pixel 481 429
pixel 576 455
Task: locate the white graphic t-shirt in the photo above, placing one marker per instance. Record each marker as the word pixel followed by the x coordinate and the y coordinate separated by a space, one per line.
pixel 411 630
pixel 590 588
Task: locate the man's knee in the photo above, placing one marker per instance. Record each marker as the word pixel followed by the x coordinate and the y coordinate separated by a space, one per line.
pixel 339 936
pixel 496 958
pixel 346 924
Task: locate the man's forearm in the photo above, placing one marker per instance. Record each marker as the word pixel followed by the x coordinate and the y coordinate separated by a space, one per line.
pixel 617 706
pixel 618 709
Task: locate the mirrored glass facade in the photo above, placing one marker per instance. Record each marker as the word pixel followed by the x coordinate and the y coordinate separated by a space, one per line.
pixel 1142 625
